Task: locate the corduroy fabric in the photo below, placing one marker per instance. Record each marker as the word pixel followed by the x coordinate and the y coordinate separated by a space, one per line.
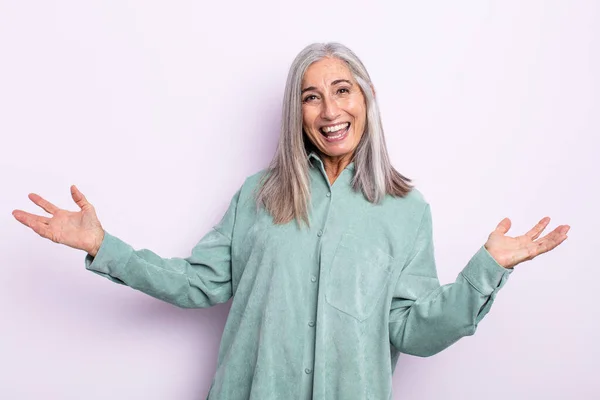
pixel 321 312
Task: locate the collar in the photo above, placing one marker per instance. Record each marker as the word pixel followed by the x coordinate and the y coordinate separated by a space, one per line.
pixel 314 157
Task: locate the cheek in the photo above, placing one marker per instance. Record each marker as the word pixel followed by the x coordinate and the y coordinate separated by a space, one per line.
pixel 356 107
pixel 359 113
pixel 308 120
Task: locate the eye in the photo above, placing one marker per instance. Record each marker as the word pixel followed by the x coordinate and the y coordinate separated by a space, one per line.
pixel 343 90
pixel 309 98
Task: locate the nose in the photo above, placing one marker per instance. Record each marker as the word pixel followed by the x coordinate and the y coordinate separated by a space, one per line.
pixel 329 110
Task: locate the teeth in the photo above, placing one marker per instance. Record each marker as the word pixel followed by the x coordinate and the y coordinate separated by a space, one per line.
pixel 335 128
pixel 335 136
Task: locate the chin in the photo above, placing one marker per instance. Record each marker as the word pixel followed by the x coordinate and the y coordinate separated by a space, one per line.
pixel 339 149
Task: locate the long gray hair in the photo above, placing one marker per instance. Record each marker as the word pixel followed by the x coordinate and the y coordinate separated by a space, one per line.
pixel 284 190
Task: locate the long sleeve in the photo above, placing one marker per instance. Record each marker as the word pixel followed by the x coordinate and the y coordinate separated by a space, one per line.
pixel 426 318
pixel 201 280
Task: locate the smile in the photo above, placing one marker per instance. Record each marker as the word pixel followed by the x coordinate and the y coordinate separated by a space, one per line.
pixel 335 133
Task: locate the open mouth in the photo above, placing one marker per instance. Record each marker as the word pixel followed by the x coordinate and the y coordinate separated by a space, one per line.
pixel 336 132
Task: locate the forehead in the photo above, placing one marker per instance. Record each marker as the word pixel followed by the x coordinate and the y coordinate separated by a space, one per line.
pixel 324 71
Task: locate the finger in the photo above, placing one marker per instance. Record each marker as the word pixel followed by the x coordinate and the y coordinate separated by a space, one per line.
pixel 78 197
pixel 549 244
pixel 42 230
pixel 559 231
pixel 28 219
pixel 551 240
pixel 538 228
pixel 45 204
pixel 503 226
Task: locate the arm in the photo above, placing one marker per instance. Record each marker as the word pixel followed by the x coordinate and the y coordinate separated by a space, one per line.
pixel 426 318
pixel 201 280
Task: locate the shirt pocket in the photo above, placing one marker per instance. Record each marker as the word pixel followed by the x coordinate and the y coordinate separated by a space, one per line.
pixel 358 277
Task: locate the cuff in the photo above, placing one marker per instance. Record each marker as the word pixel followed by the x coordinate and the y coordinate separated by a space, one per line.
pixel 484 273
pixel 111 259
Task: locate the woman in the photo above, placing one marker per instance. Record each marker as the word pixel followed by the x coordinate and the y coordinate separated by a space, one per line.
pixel 328 254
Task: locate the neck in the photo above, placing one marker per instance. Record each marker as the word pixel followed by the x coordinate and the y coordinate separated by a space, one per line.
pixel 335 165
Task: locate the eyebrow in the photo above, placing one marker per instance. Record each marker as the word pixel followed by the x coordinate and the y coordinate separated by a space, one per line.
pixel 332 84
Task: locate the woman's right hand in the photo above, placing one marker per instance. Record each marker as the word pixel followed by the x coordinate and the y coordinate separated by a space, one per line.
pixel 80 230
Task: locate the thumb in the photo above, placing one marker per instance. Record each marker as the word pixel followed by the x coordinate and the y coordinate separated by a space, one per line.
pixel 503 226
pixel 79 198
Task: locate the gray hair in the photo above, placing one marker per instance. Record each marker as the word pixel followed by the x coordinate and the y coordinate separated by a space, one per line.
pixel 285 188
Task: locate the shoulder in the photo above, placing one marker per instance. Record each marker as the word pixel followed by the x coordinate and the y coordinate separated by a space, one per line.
pixel 246 192
pixel 253 180
pixel 397 218
pixel 415 196
pixel 413 204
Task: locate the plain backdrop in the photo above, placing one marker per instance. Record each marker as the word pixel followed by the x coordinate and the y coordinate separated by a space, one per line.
pixel 158 111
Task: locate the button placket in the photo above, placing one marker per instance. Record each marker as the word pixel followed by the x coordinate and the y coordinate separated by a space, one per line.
pixel 314 279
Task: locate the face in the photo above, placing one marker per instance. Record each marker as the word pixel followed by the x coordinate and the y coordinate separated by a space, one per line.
pixel 333 108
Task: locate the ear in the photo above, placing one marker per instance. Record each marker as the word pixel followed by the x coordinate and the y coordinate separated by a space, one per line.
pixel 373 89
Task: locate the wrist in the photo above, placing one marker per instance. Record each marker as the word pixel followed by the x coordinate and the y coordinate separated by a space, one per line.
pixel 97 243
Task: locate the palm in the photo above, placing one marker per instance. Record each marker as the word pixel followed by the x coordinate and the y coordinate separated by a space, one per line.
pixel 80 230
pixel 510 251
pixel 70 228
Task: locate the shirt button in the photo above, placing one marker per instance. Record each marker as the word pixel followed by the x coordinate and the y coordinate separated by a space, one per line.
pixel 311 323
pixel 308 370
pixel 313 278
pixel 328 194
pixel 320 233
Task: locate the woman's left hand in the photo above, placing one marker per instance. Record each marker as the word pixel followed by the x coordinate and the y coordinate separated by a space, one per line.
pixel 510 251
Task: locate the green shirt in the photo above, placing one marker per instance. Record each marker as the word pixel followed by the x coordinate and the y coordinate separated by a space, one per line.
pixel 318 313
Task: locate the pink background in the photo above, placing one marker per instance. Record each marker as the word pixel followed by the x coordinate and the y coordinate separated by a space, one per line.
pixel 158 110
